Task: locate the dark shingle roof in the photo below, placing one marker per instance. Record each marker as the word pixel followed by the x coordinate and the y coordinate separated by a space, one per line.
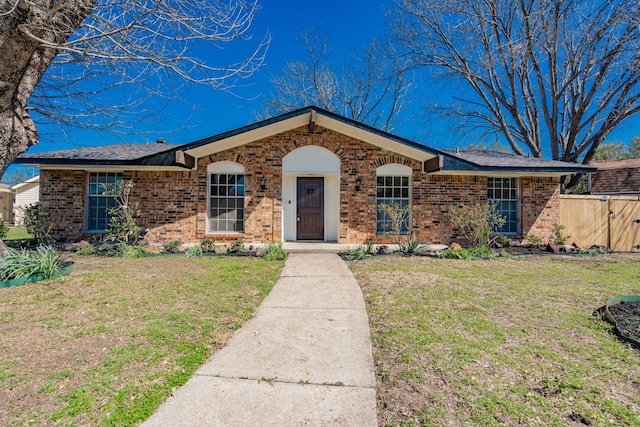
pixel 489 160
pixel 167 155
pixel 115 152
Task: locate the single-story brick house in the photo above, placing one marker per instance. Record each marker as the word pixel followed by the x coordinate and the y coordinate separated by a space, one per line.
pixel 307 175
pixel 616 177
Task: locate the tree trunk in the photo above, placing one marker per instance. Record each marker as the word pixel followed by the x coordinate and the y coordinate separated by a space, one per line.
pixel 25 60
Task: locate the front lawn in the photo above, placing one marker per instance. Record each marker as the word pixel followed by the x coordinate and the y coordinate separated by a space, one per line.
pixel 17 233
pixel 500 342
pixel 105 345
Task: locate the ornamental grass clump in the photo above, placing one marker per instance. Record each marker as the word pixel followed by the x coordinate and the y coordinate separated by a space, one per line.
pixel 275 252
pixel 16 264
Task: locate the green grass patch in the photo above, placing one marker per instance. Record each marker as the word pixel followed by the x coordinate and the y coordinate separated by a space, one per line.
pixel 18 233
pixel 501 341
pixel 119 334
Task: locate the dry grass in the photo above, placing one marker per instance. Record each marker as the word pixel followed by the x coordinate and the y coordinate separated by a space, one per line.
pixel 501 342
pixel 105 345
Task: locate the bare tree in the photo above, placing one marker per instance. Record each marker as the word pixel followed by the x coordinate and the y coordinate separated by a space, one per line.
pixel 368 88
pixel 72 51
pixel 549 75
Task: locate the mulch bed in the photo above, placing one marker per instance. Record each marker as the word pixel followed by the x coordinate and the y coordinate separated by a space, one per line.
pixel 627 317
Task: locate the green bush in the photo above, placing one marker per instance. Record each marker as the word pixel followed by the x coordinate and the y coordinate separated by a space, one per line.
pixel 357 253
pixel 21 264
pixel 172 247
pixel 4 231
pixel 467 254
pixel 275 252
pixel 89 250
pixel 505 241
pixel 193 251
pixel 411 246
pixel 560 237
pixel 477 222
pixel 208 245
pixel 235 247
pixel 535 240
pixel 38 225
pixel 132 251
pixel 122 222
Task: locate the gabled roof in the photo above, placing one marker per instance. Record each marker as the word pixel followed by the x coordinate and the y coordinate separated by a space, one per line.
pixel 31 182
pixel 164 156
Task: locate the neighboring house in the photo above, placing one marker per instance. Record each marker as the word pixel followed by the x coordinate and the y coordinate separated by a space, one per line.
pixel 307 175
pixel 616 177
pixel 26 193
pixel 6 204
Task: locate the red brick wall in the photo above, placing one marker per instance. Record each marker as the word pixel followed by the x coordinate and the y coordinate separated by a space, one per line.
pixel 539 206
pixel 174 204
pixel 62 196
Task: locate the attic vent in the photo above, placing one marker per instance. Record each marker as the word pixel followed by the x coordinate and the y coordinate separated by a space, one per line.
pixel 160 141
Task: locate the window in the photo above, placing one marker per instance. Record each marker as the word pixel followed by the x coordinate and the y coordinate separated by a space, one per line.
pixel 99 202
pixel 226 197
pixel 505 192
pixel 392 189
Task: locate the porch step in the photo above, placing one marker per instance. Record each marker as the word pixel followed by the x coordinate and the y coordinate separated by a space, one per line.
pixel 314 247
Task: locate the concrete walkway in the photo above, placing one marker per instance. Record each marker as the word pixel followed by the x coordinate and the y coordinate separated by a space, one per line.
pixel 303 359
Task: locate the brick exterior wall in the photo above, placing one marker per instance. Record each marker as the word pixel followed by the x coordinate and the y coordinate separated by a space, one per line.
pixel 174 204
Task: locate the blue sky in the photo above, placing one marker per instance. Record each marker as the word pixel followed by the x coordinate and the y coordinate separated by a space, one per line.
pixel 351 25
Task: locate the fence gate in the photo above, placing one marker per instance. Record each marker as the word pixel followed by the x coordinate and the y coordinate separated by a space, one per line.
pixel 611 221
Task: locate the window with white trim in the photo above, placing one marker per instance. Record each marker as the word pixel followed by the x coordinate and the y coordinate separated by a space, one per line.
pixel 226 198
pixel 100 201
pixel 393 187
pixel 506 193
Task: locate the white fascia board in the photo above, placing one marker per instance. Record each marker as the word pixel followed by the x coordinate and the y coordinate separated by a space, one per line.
pixel 372 138
pixel 250 136
pixel 304 120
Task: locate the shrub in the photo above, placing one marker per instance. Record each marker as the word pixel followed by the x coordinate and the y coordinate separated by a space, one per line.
pixel 467 254
pixel 193 251
pixel 4 230
pixel 535 240
pixel 560 237
pixel 38 225
pixel 235 247
pixel 477 222
pixel 357 253
pixel 21 264
pixel 505 241
pixel 399 221
pixel 411 246
pixel 172 247
pixel 88 250
pixel 132 251
pixel 208 245
pixel 275 252
pixel 122 222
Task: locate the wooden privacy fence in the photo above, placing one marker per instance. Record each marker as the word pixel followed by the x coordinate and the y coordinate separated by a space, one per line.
pixel 611 221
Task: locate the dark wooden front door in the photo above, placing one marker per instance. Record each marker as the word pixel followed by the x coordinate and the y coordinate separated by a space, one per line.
pixel 310 209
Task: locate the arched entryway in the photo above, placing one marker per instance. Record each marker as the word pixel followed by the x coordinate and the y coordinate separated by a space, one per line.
pixel 311 195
